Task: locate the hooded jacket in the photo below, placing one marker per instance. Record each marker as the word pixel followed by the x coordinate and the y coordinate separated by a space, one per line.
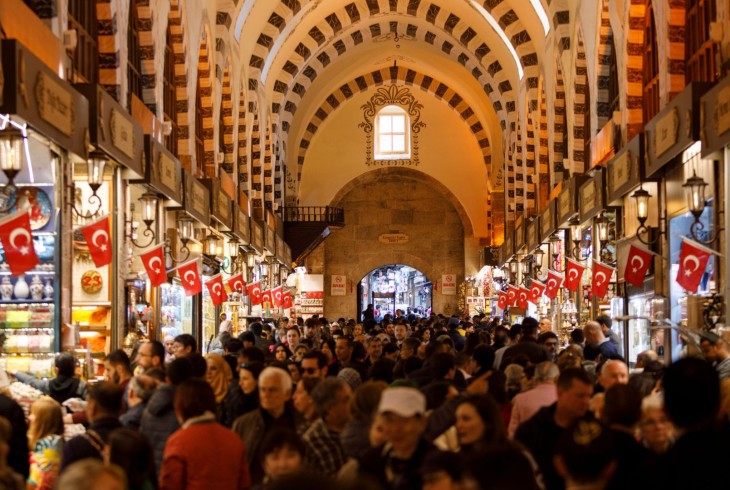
pixel 159 420
pixel 60 388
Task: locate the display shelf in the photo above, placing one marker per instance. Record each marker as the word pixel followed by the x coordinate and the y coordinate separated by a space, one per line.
pixel 30 273
pixel 7 302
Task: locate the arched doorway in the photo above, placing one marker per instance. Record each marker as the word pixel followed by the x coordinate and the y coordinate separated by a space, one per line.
pixel 395 287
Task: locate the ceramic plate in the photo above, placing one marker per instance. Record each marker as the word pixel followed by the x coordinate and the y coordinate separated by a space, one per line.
pixel 39 203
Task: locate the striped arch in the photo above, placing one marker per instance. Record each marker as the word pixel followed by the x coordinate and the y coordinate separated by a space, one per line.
pixel 176 24
pixel 268 165
pixel 559 9
pixel 226 117
pixel 205 100
pixel 635 68
pixel 511 155
pixel 520 172
pixel 560 140
pixel 109 43
pixel 257 185
pixel 244 178
pixel 605 52
pixel 394 75
pixel 147 52
pixel 530 167
pixel 544 168
pixel 581 107
pixel 676 64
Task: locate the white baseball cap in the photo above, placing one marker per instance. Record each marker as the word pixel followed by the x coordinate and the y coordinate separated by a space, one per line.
pixel 403 401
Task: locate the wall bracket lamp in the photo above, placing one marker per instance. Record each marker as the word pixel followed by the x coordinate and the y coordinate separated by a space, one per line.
pixel 642 197
pixel 696 201
pixel 12 150
pixel 95 166
pixel 149 210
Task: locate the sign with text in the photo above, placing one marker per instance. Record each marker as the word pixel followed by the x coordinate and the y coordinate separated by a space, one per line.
pixel 339 285
pixel 448 284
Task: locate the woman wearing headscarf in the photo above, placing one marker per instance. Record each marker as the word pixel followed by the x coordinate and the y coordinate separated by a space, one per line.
pixel 219 376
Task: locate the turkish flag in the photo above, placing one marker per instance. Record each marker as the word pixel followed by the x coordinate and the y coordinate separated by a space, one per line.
pixel 693 259
pixel 286 299
pixel 276 296
pixel 552 285
pixel 190 277
pixel 511 295
pixel 522 295
pixel 154 263
pixel 636 265
pixel 536 290
pixel 254 291
pixel 502 300
pixel 266 297
pixel 99 241
pixel 237 284
pixel 602 274
pixel 18 242
pixel 216 289
pixel 573 274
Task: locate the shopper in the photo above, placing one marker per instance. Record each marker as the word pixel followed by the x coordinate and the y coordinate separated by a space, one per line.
pixel 9 478
pixel 64 385
pixel 45 441
pixel 132 452
pixel 17 440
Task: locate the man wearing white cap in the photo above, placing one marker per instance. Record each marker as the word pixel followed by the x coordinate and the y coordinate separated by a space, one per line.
pixel 396 463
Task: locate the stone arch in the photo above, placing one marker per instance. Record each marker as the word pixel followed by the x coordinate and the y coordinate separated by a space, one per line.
pixel 226 118
pixel 530 170
pixel 146 52
pixel 109 45
pixel 606 53
pixel 244 178
pixel 635 67
pixel 204 104
pixel 560 141
pixel 257 185
pixel 405 173
pixel 544 167
pixel 410 260
pixel 651 87
pixel 268 167
pixel 176 30
pixel 581 108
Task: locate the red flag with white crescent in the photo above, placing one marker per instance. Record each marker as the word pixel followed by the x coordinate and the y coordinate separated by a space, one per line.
pixel 99 241
pixel 216 289
pixel 522 295
pixel 286 300
pixel 276 296
pixel 502 300
pixel 602 274
pixel 266 297
pixel 637 265
pixel 693 259
pixel 254 291
pixel 536 290
pixel 573 274
pixel 190 277
pixel 552 284
pixel 237 284
pixel 154 263
pixel 512 295
pixel 17 242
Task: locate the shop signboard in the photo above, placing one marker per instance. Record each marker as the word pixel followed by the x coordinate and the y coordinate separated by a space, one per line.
pixel 269 240
pixel 675 128
pixel 520 237
pixel 113 131
pixel 34 93
pixel 448 284
pixel 548 225
pixel 532 232
pixel 241 227
pixel 623 170
pixel 506 251
pixel 280 249
pixel 339 285
pixel 162 172
pixel 257 235
pixel 220 205
pixel 568 199
pixel 715 113
pixel 592 195
pixel 196 200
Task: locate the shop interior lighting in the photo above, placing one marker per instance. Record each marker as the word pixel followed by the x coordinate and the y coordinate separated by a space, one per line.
pixel 576 234
pixel 602 225
pixel 12 151
pixel 95 174
pixel 149 211
pixel 642 197
pixel 696 202
pixel 498 29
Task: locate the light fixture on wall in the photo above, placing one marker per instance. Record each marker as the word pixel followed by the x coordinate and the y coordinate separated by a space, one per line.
pixel 12 152
pixel 696 201
pixel 642 197
pixel 185 232
pixel 602 227
pixel 576 235
pixel 513 266
pixel 149 211
pixel 233 261
pixel 95 165
pixel 539 254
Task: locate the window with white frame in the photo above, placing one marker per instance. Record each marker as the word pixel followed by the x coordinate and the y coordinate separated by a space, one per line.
pixel 393 135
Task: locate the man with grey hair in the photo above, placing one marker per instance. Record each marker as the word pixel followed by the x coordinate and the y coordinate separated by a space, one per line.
pixel 642 359
pixel 544 394
pixel 597 344
pixel 331 399
pixel 140 390
pixel 275 389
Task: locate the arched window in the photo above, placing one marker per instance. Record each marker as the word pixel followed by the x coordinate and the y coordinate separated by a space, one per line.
pixel 169 101
pixel 134 60
pixel 393 134
pixel 82 18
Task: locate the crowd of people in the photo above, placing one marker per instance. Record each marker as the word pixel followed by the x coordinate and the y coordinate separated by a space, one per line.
pixel 405 403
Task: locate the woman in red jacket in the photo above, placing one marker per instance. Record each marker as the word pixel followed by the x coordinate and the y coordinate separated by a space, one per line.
pixel 202 454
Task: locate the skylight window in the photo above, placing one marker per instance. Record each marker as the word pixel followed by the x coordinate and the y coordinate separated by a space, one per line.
pixel 498 29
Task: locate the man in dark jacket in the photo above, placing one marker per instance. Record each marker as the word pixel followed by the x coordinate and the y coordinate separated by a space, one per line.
pixel 597 344
pixel 102 411
pixel 140 391
pixel 527 346
pixel 64 385
pixel 541 433
pixel 158 419
pixel 18 455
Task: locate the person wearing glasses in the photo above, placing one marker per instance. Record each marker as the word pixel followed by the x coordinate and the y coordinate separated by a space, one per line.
pixel 549 340
pixel 314 364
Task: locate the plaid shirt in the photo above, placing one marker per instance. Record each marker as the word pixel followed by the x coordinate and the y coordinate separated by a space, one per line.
pixel 324 450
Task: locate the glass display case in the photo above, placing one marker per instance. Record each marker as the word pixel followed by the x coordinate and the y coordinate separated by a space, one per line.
pixel 648 308
pixel 176 310
pixel 209 319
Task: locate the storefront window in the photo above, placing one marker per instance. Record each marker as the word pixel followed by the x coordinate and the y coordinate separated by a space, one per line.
pixel 396 287
pixel 176 310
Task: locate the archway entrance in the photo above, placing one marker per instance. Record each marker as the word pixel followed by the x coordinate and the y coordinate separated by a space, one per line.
pixel 395 287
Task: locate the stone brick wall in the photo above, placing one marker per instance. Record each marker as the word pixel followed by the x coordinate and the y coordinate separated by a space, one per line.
pixel 391 202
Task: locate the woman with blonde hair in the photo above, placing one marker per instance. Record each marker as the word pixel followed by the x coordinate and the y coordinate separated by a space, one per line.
pixel 219 377
pixel 45 440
